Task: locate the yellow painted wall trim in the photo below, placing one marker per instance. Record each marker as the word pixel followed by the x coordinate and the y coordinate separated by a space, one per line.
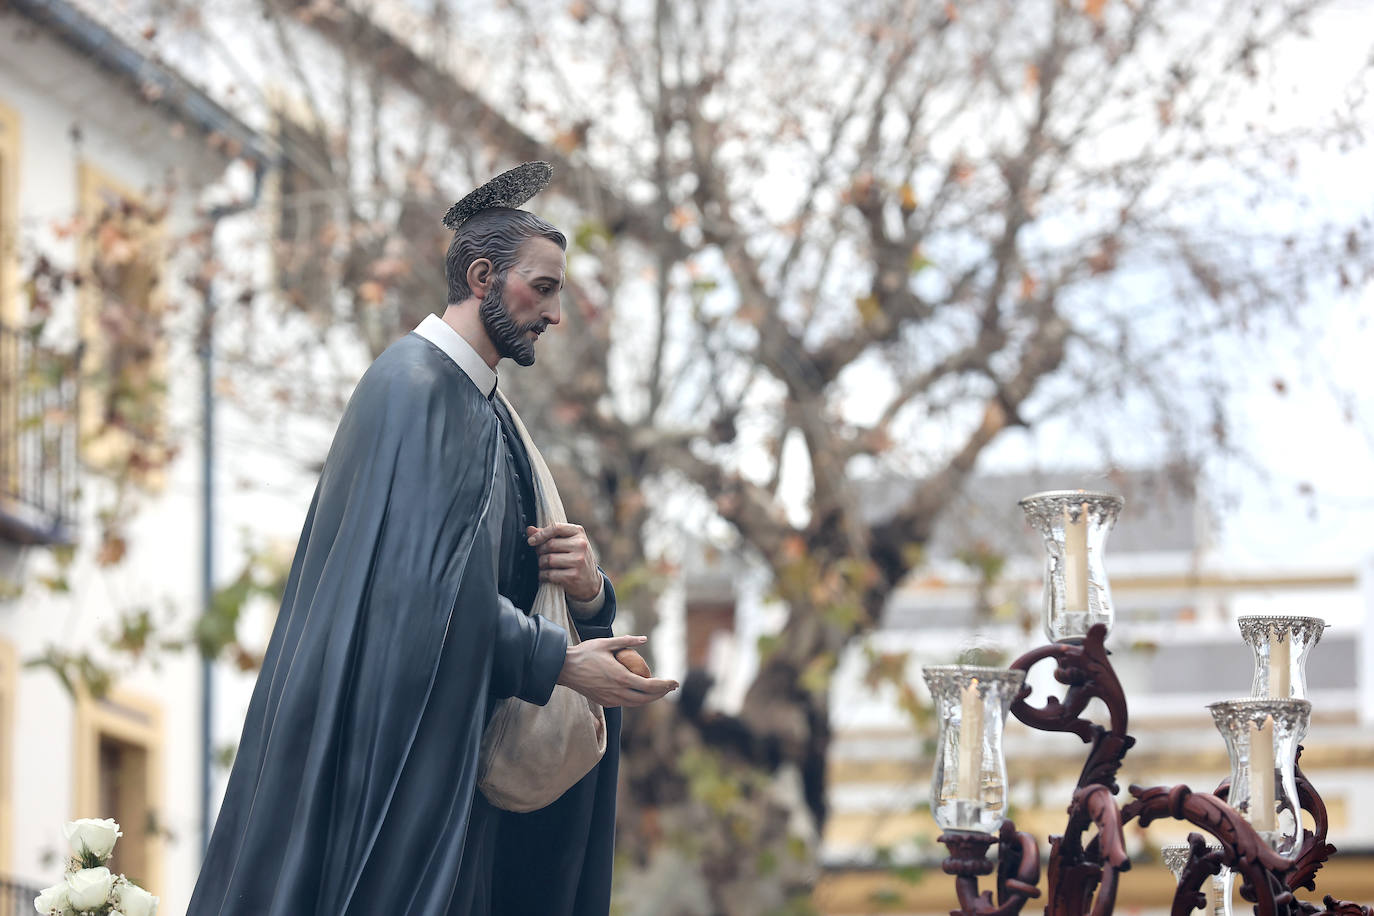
pixel 133 719
pixel 1172 582
pixel 96 190
pixel 9 214
pixel 851 892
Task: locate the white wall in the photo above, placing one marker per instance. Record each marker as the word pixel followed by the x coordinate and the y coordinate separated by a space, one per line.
pixel 69 111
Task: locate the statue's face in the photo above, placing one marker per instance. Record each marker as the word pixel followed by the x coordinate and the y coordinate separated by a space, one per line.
pixel 524 301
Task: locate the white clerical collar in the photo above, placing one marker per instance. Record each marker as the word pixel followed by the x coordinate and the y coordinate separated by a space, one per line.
pixel 440 333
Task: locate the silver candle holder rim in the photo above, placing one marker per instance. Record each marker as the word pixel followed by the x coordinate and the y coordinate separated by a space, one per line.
pixel 1180 853
pixel 1039 507
pixel 1175 856
pixel 947 674
pixel 1083 496
pixel 1291 712
pixel 1253 626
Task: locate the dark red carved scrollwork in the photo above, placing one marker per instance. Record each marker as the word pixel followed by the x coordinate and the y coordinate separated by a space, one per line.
pixel 1084 667
pixel 1083 879
pixel 1018 870
pixel 1242 849
pixel 1336 907
pixel 1315 849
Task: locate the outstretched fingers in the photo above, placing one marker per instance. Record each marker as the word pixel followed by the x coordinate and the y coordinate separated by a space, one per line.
pixel 616 643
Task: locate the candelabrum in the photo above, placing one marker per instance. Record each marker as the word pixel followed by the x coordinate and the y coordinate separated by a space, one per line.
pixel 1254 818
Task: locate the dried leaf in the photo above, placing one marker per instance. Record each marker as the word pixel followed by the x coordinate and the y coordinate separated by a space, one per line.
pixel 681 217
pixel 1164 108
pixel 113 548
pixel 860 189
pixel 1104 260
pixel 877 441
pixel 372 292
pixel 570 140
pixel 907 196
pixel 870 310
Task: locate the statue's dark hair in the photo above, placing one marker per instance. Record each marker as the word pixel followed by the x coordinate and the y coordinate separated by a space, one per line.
pixel 496 234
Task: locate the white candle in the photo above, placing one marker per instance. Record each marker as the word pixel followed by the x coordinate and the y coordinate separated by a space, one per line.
pixel 1262 775
pixel 970 743
pixel 1209 893
pixel 1279 649
pixel 1076 561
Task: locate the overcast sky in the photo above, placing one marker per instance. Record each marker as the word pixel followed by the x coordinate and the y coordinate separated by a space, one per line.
pixel 1320 430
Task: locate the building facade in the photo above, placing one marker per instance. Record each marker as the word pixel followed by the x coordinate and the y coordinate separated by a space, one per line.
pixel 103 152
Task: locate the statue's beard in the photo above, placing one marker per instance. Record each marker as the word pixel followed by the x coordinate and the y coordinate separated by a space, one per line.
pixel 511 340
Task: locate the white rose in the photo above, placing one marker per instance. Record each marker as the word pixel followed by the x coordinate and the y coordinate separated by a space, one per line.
pixel 92 835
pixel 52 900
pixel 135 901
pixel 89 888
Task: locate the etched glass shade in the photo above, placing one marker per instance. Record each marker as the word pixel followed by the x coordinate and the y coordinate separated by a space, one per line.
pixel 968 788
pixel 1262 741
pixel 1216 889
pixel 1281 645
pixel 1074 526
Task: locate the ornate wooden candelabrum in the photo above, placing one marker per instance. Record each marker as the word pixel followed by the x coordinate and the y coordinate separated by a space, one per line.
pixel 1253 819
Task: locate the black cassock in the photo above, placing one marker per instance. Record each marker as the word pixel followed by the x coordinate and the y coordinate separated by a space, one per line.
pixel 353 791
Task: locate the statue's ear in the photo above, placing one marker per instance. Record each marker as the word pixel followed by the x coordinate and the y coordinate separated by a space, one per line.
pixel 481 273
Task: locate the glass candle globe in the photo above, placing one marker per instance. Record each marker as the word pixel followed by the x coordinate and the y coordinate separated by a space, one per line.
pixel 1281 645
pixel 968 789
pixel 1262 741
pixel 1074 526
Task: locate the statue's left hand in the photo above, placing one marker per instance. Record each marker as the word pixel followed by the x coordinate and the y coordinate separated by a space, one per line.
pixel 566 558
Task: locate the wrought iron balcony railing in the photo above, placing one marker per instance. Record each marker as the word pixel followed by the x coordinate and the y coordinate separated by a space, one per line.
pixel 38 441
pixel 16 899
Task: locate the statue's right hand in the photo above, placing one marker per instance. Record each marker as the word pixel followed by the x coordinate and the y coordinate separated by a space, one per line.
pixel 592 669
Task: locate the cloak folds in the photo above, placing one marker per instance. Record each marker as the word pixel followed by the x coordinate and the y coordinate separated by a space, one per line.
pixel 354 779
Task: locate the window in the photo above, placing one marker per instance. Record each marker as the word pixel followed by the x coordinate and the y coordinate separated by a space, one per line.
pixel 123 372
pixel 305 225
pixel 118 755
pixel 9 684
pixel 706 618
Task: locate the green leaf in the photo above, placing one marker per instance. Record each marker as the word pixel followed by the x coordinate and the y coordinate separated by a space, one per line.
pixel 591 234
pixel 815 677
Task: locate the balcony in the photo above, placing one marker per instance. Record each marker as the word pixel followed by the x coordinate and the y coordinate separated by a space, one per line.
pixel 38 441
pixel 16 899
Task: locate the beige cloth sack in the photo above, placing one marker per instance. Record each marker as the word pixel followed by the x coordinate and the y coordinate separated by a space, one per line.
pixel 532 754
